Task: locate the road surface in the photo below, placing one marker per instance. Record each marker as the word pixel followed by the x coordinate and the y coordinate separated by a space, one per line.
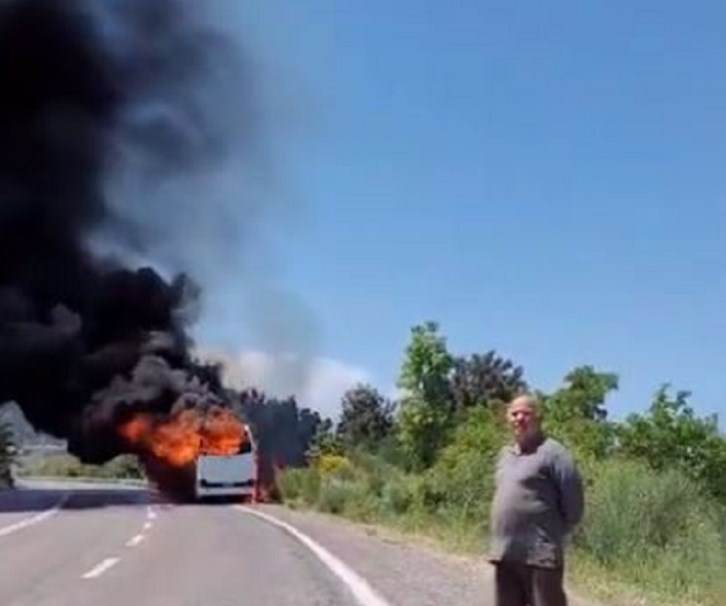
pixel 81 545
pixel 117 547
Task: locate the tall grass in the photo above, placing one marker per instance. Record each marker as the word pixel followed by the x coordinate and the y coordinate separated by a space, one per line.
pixel 655 531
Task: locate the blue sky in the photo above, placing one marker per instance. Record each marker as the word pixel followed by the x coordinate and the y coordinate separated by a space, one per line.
pixel 545 179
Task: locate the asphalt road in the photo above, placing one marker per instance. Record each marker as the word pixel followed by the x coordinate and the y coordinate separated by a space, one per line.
pixel 113 546
pixel 118 547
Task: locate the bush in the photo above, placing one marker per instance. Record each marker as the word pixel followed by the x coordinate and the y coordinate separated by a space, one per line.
pixel 344 496
pixel 333 496
pixel 332 464
pixel 398 495
pixel 123 467
pixel 655 529
pixel 460 484
pixel 299 486
pixel 362 489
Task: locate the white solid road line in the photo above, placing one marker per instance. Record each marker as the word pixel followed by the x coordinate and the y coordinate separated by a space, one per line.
pixel 43 515
pixel 364 594
pixel 133 542
pixel 101 568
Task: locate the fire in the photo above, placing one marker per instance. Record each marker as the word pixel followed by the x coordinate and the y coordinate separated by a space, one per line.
pixel 178 441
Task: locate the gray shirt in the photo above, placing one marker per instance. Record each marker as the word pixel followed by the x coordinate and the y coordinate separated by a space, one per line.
pixel 538 500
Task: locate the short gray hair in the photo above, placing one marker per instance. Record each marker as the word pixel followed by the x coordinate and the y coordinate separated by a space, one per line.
pixel 530 401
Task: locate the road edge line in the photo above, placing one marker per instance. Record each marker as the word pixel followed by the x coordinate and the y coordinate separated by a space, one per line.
pixel 39 517
pixel 356 584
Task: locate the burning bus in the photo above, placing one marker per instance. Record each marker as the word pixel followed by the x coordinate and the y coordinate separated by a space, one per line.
pixel 228 475
pixel 196 452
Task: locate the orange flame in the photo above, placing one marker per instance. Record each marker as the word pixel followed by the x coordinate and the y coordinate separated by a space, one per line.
pixel 179 440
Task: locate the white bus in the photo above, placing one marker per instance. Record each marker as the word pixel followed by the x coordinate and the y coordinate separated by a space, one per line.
pixel 228 475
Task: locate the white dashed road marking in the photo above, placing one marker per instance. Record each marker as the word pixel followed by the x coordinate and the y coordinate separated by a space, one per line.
pixel 43 515
pixel 150 513
pixel 364 594
pixel 109 562
pixel 101 568
pixel 135 540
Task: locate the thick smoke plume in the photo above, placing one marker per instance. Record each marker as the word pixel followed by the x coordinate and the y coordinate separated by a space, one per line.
pixel 86 343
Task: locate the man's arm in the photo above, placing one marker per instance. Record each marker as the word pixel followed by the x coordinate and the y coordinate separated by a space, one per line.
pixel 570 487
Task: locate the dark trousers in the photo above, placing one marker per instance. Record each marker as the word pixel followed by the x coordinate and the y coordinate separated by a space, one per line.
pixel 522 585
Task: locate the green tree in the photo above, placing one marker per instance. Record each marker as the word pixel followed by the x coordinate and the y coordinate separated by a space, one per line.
pixel 485 379
pixel 425 415
pixel 366 418
pixel 670 435
pixel 576 412
pixel 427 364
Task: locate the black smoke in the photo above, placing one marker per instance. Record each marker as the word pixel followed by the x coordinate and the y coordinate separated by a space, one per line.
pixel 86 89
pixel 285 430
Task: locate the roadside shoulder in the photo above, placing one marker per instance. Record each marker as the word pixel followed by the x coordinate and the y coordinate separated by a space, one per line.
pixel 407 572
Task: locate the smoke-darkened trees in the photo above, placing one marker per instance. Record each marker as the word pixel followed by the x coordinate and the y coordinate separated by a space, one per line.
pixel 7 454
pixel 366 418
pixel 484 379
pixel 284 432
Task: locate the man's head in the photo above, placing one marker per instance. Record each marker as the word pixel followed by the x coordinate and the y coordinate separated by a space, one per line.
pixel 524 417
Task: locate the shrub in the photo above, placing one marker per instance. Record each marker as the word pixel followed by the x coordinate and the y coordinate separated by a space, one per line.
pixel 299 485
pixel 66 465
pixel 332 464
pixel 655 529
pixel 351 497
pixel 333 496
pixel 460 484
pixel 398 495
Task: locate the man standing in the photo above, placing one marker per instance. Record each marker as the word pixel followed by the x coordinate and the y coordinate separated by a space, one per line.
pixel 538 501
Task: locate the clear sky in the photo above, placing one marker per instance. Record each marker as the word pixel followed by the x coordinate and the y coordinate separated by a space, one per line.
pixel 544 179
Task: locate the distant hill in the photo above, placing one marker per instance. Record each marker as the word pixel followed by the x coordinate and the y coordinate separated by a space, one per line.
pixel 23 432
